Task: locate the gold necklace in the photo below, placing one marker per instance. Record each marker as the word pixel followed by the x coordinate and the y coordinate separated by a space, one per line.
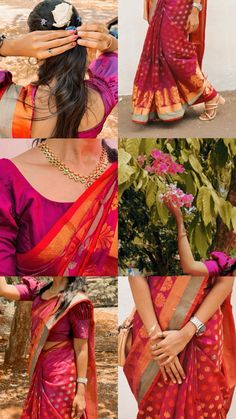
pixel 86 180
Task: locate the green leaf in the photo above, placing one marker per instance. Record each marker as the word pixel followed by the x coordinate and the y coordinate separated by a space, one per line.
pixel 200 240
pixel 162 211
pixel 124 173
pixel 151 193
pixel 204 204
pixel 195 164
pixel 132 147
pixel 221 153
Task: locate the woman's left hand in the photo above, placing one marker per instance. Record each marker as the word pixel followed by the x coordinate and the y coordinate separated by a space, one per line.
pixel 78 406
pixel 193 21
pixel 96 36
pixel 173 343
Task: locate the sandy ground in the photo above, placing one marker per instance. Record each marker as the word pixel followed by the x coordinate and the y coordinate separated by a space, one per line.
pixel 14 382
pixel 190 126
pixel 14 15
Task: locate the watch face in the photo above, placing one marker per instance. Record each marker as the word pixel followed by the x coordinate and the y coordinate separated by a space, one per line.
pixel 201 330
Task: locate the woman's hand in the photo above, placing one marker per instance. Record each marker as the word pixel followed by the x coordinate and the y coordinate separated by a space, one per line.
pixel 193 21
pixel 174 369
pixel 79 403
pixel 175 211
pixel 173 342
pixel 97 36
pixel 40 44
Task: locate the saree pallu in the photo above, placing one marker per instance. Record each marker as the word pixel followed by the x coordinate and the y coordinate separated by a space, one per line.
pixel 169 76
pixel 208 360
pixel 53 372
pixel 84 241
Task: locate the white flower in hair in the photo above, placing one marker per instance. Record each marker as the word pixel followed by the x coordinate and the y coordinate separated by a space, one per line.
pixel 62 15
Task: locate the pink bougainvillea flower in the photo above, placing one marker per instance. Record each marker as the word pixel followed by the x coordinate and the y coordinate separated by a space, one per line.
pixel 162 164
pixel 141 159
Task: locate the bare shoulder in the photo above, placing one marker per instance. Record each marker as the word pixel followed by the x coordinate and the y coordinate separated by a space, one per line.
pixel 30 158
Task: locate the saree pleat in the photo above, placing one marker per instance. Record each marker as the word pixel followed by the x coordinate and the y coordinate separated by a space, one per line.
pixel 53 372
pixel 207 389
pixel 169 76
pixel 84 240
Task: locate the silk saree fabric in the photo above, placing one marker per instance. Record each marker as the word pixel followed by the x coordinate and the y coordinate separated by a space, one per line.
pixel 169 76
pixel 208 360
pixel 84 240
pixel 53 371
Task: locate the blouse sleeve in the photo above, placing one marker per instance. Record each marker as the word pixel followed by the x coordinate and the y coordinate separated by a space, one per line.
pixel 8 228
pixel 5 81
pixel 105 70
pixel 212 267
pixel 80 316
pixel 217 264
pixel 28 288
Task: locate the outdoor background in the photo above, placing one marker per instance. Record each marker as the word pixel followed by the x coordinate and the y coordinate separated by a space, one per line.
pixel 14 14
pixel 126 402
pixel 147 230
pixel 14 349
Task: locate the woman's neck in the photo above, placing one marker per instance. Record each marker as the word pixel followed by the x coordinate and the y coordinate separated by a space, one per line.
pixel 84 152
pixel 58 284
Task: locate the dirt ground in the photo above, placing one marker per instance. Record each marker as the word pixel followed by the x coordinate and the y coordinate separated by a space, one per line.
pixel 14 382
pixel 14 15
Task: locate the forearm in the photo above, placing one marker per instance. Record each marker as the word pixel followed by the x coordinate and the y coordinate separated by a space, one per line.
pixel 143 302
pixel 8 291
pixel 188 263
pixel 10 48
pixel 81 356
pixel 212 302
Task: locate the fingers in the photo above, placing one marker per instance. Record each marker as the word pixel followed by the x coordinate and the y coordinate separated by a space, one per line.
pixel 177 377
pixel 58 42
pixel 94 27
pixel 99 36
pixel 180 369
pixel 170 373
pixel 88 44
pixel 56 51
pixel 163 371
pixel 51 35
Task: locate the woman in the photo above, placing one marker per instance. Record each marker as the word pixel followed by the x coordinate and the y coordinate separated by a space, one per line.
pixel 219 264
pixel 71 105
pixel 62 361
pixel 169 77
pixel 182 359
pixel 58 210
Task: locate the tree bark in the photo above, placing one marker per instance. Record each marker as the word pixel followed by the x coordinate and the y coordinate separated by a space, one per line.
pixel 225 239
pixel 20 334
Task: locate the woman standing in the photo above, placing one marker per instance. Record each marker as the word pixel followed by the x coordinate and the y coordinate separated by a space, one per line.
pixel 169 77
pixel 58 210
pixel 182 360
pixel 62 361
pixel 73 99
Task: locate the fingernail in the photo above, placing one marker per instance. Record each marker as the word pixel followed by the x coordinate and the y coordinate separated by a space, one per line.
pixel 72 31
pixel 80 33
pixel 180 382
pixel 75 36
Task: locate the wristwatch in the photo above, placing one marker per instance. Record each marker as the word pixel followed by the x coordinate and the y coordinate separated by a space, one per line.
pixel 198 6
pixel 82 380
pixel 199 326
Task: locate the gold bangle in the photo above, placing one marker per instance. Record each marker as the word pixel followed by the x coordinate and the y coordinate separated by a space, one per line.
pixel 109 45
pixel 152 329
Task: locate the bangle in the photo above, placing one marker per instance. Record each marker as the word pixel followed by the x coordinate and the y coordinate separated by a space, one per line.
pixel 82 380
pixel 109 45
pixel 198 6
pixel 184 234
pixel 2 37
pixel 152 329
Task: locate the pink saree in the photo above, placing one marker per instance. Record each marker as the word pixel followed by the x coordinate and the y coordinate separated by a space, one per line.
pixel 169 76
pixel 84 240
pixel 53 372
pixel 208 360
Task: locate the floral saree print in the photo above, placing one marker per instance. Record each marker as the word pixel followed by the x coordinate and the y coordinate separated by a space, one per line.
pixel 84 240
pixel 208 360
pixel 169 76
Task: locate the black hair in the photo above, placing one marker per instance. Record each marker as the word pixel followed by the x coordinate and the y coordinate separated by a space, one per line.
pixel 74 284
pixel 67 70
pixel 111 152
pixel 229 269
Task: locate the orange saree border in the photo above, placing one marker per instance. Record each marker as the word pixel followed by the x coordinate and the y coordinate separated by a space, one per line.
pixel 65 224
pixel 41 337
pixel 22 119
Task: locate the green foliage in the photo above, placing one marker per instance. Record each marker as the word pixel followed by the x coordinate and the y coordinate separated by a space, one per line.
pixel 145 224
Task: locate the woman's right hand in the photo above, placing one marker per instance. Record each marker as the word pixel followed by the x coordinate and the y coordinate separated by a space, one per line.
pixel 40 44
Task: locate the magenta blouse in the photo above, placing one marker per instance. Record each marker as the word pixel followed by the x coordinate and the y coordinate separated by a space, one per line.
pixel 219 262
pixel 75 324
pixel 103 77
pixel 25 216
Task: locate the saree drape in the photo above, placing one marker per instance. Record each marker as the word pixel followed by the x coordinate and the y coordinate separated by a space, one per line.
pixel 169 76
pixel 208 360
pixel 84 241
pixel 53 372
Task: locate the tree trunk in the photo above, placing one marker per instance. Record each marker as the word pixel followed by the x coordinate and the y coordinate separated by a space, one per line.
pixel 20 334
pixel 225 239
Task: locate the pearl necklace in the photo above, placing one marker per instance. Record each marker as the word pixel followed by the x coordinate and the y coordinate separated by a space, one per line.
pixel 86 180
